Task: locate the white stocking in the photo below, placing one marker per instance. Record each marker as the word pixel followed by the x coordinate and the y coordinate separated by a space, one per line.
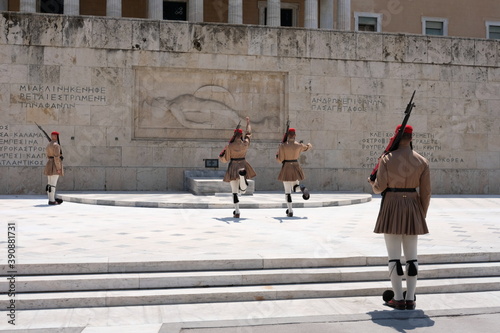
pixel 52 182
pixel 393 244
pixel 235 184
pixel 410 251
pixel 288 191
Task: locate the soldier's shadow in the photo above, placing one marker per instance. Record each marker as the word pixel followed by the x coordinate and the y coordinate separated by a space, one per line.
pixel 401 320
pixel 286 219
pixel 229 220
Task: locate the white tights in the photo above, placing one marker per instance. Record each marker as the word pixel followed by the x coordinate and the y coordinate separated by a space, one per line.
pixel 52 182
pixel 235 188
pixel 288 190
pixel 393 244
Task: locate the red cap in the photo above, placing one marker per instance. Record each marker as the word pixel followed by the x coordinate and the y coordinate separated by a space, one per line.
pixel 291 130
pixel 54 133
pixel 238 130
pixel 408 129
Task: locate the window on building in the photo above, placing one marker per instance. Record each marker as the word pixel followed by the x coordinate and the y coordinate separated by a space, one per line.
pixel 434 26
pixel 175 10
pixel 368 22
pixel 51 6
pixel 286 17
pixel 288 14
pixel 493 30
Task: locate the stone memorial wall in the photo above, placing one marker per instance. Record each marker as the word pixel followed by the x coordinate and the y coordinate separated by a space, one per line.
pixel 138 102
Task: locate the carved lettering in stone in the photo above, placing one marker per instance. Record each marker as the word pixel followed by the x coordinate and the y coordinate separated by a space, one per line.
pixel 57 97
pixel 346 103
pixel 21 148
pixel 424 143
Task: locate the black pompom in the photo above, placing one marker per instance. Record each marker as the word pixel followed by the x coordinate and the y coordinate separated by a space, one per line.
pixel 388 295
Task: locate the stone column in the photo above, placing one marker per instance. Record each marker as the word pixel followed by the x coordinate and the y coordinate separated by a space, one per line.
pixel 27 6
pixel 344 15
pixel 4 5
pixel 72 7
pixel 155 9
pixel 235 12
pixel 326 14
pixel 114 8
pixel 311 14
pixel 274 13
pixel 195 10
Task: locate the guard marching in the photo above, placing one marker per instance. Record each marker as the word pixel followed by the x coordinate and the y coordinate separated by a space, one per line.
pixel 238 170
pixel 402 214
pixel 53 168
pixel 291 172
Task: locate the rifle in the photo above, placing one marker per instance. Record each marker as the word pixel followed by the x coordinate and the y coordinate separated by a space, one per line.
pixel 285 136
pixel 223 152
pixel 41 129
pixel 50 139
pixel 394 142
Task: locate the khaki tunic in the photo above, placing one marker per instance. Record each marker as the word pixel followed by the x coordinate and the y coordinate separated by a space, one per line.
pixel 290 151
pixel 54 162
pixel 237 150
pixel 403 213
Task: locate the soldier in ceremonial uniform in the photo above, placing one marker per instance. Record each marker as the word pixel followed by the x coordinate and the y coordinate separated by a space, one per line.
pixel 402 213
pixel 291 173
pixel 238 170
pixel 53 168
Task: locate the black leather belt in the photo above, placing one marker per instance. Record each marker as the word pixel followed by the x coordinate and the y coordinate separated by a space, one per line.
pixel 237 159
pixel 289 161
pixel 390 189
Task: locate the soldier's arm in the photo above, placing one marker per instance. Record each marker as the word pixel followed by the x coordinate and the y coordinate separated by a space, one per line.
pixel 280 156
pixel 380 183
pixel 425 189
pixel 57 157
pixel 248 129
pixel 226 157
pixel 306 147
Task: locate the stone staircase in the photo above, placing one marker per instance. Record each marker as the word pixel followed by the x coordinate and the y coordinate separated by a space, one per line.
pixel 187 282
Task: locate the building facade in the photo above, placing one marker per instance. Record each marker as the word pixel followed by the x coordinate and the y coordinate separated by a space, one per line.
pixel 139 102
pixel 456 18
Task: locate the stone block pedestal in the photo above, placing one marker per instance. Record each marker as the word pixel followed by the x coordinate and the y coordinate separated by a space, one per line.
pixel 209 182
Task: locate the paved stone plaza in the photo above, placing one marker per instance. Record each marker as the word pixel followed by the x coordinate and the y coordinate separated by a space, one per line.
pixel 119 232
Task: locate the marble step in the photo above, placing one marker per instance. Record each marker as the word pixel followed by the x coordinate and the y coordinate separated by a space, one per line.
pixel 102 265
pixel 129 281
pixel 113 298
pixel 247 316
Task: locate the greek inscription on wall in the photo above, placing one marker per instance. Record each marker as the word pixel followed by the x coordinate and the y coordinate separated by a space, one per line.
pixel 424 143
pixel 346 103
pixel 21 148
pixel 57 97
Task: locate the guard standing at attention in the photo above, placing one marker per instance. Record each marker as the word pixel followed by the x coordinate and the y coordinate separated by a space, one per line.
pixel 291 173
pixel 53 168
pixel 402 213
pixel 238 170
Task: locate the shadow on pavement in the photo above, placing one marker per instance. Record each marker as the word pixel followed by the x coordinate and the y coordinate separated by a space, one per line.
pixel 401 320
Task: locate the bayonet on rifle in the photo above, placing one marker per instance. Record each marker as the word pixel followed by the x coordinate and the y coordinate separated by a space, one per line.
pixel 41 129
pixel 285 136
